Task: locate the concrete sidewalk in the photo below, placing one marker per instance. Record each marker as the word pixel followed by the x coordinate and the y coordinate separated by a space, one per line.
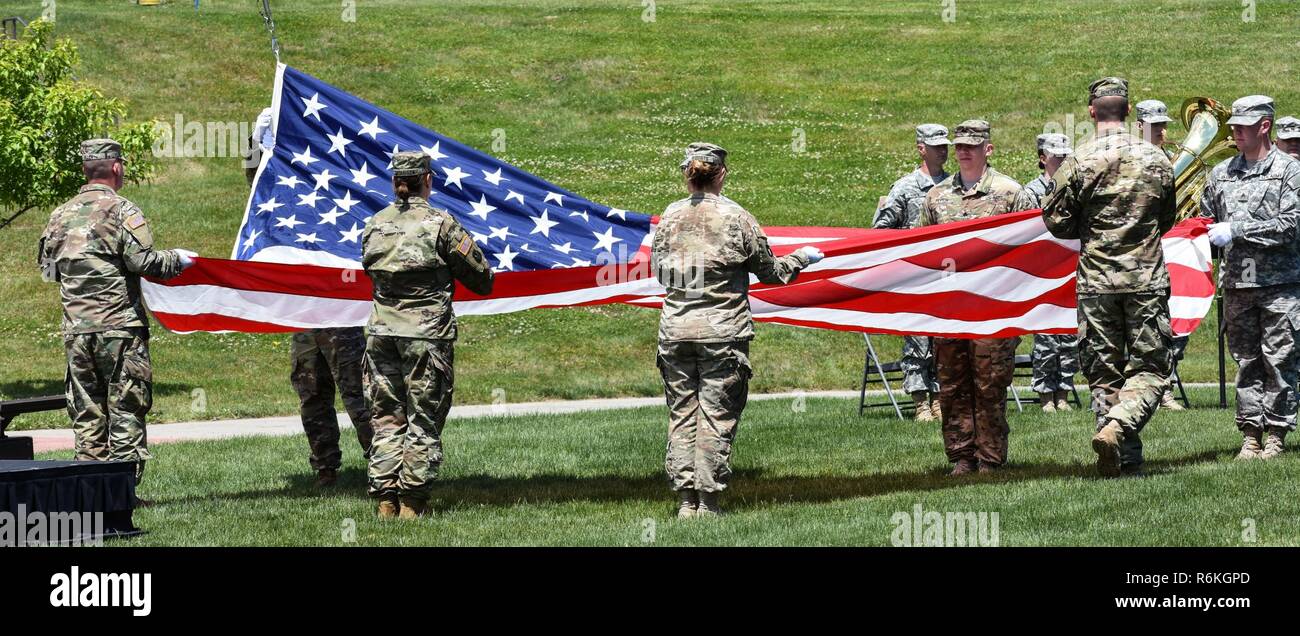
pixel 62 438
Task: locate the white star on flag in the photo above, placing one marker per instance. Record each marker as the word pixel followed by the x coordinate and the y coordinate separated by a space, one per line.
pixel 582 214
pixel 323 179
pixel 304 157
pixel 493 178
pixel 309 199
pixel 499 232
pixel 543 224
pixel 511 194
pixel 288 221
pixel 371 128
pixel 338 143
pixel 351 236
pixel 481 207
pixel 557 197
pixel 606 240
pixel 306 238
pixel 506 259
pixel 330 217
pixel 454 175
pixel 291 181
pixel 433 152
pixel 313 106
pixel 248 243
pixel 362 176
pixel 270 205
pixel 563 249
pixel 480 237
pixel 347 201
pixel 615 212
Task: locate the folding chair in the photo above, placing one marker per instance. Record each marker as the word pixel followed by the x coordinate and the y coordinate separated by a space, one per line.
pixel 1025 370
pixel 885 372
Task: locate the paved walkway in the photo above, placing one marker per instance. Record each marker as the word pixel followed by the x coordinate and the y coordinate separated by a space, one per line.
pixel 61 438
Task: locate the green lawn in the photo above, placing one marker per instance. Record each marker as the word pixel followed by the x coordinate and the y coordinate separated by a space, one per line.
pixel 592 97
pixel 821 477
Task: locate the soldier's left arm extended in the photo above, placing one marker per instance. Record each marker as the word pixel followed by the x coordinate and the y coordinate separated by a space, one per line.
pixel 465 259
pixel 135 244
pixel 1060 208
pixel 1281 229
pixel 761 262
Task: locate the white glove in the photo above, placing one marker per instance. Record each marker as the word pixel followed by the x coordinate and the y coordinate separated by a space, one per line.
pixel 187 258
pixel 1220 233
pixel 262 130
pixel 813 254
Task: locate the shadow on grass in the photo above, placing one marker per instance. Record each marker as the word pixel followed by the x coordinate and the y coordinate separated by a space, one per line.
pixel 751 488
pixel 41 388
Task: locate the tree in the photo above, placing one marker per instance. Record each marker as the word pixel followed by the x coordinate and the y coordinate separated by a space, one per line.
pixel 45 114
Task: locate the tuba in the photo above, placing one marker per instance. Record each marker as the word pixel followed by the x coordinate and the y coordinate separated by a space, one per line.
pixel 1208 141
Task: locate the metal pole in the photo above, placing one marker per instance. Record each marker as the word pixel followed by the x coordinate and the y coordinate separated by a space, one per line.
pixel 270 28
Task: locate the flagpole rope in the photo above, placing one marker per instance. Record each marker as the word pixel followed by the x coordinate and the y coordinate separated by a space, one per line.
pixel 270 28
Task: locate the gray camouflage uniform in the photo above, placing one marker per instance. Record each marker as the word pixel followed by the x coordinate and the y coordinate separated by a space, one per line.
pixel 1260 276
pixel 704 250
pixel 96 247
pixel 900 210
pixel 1055 356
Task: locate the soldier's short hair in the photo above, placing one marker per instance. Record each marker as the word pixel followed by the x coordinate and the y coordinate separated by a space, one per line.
pixel 98 169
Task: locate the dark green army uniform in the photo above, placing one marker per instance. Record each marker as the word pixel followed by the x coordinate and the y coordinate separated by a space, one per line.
pixel 96 247
pixel 705 247
pixel 1116 196
pixel 1260 276
pixel 974 374
pixel 413 254
pixel 325 361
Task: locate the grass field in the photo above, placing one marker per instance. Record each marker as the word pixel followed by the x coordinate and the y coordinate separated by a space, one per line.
pixel 595 98
pixel 820 477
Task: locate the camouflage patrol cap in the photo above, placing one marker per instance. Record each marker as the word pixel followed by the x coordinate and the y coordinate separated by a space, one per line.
pixel 932 135
pixel 410 164
pixel 1288 128
pixel 972 132
pixel 1108 87
pixel 1248 110
pixel 1054 144
pixel 706 152
pixel 96 149
pixel 1152 111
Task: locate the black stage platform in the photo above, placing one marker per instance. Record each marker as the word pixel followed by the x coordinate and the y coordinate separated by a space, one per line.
pixel 45 487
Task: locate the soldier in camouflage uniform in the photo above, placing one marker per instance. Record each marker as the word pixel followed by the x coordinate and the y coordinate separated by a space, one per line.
pixel 413 254
pixel 974 374
pixel 96 247
pixel 1288 136
pixel 1055 356
pixel 704 250
pixel 899 210
pixel 1253 199
pixel 1153 121
pixel 1116 196
pixel 325 359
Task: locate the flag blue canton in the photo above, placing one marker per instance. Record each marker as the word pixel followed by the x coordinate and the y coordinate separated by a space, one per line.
pixel 329 172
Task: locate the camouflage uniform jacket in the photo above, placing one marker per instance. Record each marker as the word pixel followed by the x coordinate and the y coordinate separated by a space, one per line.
pixel 97 246
pixel 1264 208
pixel 901 208
pixel 705 248
pixel 1116 195
pixel 1037 189
pixel 413 252
pixel 995 193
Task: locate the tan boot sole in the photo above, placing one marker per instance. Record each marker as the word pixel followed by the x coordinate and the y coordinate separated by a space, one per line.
pixel 1107 455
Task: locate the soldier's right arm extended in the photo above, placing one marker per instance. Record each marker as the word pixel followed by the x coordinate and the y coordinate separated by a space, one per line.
pixel 465 259
pixel 135 244
pixel 762 263
pixel 1282 228
pixel 1060 207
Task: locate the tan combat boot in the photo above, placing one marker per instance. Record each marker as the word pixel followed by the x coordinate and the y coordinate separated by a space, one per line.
pixel 923 413
pixel 934 407
pixel 326 477
pixel 412 508
pixel 388 507
pixel 1168 401
pixel 1273 446
pixel 1106 444
pixel 1250 443
pixel 709 506
pixel 1063 401
pixel 1048 400
pixel 963 467
pixel 688 500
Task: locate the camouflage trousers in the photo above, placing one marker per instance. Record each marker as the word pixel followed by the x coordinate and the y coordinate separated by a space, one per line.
pixel 410 384
pixel 1056 360
pixel 973 380
pixel 323 360
pixel 707 386
pixel 1263 326
pixel 1124 342
pixel 109 386
pixel 918 365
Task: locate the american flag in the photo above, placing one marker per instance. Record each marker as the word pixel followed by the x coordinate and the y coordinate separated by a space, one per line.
pixel 298 249
pixel 329 171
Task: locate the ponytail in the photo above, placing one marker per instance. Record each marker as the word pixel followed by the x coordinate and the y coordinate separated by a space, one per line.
pixel 702 173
